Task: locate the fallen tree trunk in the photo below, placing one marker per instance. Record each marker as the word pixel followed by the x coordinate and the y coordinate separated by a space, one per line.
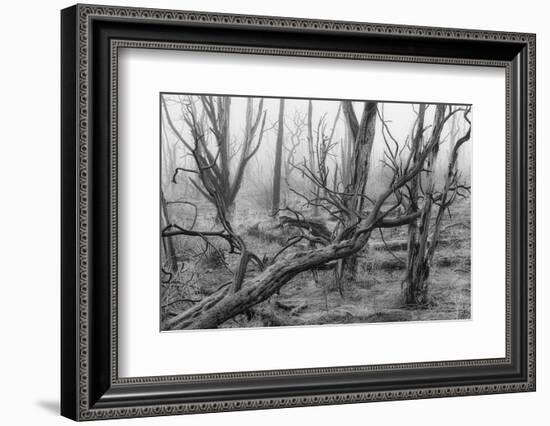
pixel 221 306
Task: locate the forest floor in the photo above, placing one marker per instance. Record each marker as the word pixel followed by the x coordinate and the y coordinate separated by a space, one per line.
pixel 374 296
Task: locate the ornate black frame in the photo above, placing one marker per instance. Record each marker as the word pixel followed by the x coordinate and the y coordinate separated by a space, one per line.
pixel 90 386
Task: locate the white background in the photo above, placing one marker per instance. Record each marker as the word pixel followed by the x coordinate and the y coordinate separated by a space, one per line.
pixel 29 225
pixel 192 352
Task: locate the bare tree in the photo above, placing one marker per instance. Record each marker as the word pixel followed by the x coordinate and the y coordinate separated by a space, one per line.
pixel 215 169
pixel 422 233
pixel 278 159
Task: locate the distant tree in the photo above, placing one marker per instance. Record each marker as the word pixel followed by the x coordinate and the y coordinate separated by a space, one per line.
pixel 278 159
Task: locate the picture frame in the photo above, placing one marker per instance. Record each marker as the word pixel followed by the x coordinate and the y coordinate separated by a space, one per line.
pixel 91 37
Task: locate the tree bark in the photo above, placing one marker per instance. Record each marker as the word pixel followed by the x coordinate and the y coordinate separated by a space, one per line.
pixel 278 158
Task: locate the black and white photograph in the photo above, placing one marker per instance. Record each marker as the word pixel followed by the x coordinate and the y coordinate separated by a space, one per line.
pixel 297 212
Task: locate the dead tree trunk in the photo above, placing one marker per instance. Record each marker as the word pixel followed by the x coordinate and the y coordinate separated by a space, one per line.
pixel 362 137
pixel 278 158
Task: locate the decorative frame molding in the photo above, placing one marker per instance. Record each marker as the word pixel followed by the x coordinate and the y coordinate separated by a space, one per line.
pixel 91 388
